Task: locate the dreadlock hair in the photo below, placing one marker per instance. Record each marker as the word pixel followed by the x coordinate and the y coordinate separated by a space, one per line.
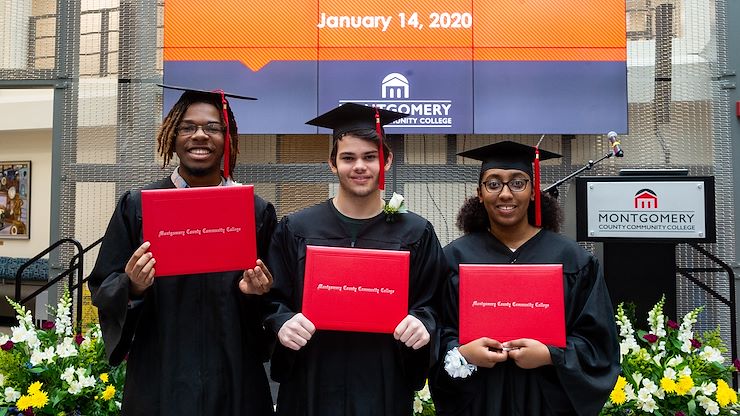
pixel 474 217
pixel 369 135
pixel 168 130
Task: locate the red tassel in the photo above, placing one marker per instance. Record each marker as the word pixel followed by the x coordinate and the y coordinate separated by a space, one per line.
pixel 536 188
pixel 381 156
pixel 227 135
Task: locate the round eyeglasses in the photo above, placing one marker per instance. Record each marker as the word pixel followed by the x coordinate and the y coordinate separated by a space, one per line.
pixel 515 185
pixel 210 129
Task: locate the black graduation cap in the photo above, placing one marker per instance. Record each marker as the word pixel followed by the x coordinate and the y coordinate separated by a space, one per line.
pixel 507 155
pixel 225 105
pixel 214 92
pixel 512 155
pixel 351 116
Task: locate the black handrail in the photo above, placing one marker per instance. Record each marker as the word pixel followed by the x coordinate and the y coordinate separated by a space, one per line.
pixel 80 278
pixel 731 303
pixel 24 266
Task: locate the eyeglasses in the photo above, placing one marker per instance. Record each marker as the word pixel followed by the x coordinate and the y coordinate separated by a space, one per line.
pixel 515 185
pixel 211 129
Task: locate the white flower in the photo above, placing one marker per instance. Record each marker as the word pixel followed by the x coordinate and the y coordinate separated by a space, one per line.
pixel 709 405
pixel 629 392
pixel 712 355
pixel 424 393
pixel 74 387
pixel 418 406
pixel 708 388
pixel 686 371
pixel 63 321
pixel 644 395
pixel 39 356
pixel 648 405
pixel 20 334
pixel 658 358
pixel 11 396
pixel 650 387
pixel 656 319
pixel 395 202
pixel 2 379
pixel 68 375
pixel 637 377
pixel 67 348
pixel 4 338
pixel 669 373
pixel 675 361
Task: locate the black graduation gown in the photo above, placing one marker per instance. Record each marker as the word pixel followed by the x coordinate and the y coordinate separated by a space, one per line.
pixel 583 373
pixel 351 373
pixel 195 343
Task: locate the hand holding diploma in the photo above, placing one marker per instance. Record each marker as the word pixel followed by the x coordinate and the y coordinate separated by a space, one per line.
pixel 296 332
pixel 140 270
pixel 528 353
pixel 484 352
pixel 412 332
pixel 256 281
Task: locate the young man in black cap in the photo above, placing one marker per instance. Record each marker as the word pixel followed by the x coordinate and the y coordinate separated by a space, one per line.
pixel 327 373
pixel 194 343
pixel 524 376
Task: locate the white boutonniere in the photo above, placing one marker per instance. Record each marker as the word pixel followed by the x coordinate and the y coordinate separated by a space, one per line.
pixel 396 205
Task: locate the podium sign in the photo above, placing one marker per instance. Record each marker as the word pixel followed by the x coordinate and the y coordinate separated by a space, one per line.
pixel 671 209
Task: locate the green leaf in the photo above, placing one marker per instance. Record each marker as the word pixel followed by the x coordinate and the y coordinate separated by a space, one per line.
pixel 692 407
pixel 36 370
pixel 3 411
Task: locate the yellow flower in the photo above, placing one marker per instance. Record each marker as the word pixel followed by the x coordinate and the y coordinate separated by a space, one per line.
pixel 39 399
pixel 685 383
pixel 725 394
pixel 34 388
pixel 23 403
pixel 109 392
pixel 668 385
pixel 617 395
pixel 621 383
pixel 104 377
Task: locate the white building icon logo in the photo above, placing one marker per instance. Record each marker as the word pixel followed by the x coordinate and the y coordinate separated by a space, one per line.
pixel 394 85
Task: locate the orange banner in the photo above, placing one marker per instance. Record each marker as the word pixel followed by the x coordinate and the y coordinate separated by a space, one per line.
pixel 528 30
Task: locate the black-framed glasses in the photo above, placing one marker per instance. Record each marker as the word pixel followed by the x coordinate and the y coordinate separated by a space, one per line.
pixel 210 129
pixel 515 185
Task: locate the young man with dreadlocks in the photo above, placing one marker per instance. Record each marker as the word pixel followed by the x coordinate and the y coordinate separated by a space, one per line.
pixel 195 344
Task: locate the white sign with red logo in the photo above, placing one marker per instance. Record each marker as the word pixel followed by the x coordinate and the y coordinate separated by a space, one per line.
pixel 644 209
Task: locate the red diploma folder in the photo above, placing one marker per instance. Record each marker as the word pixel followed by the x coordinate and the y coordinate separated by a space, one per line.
pixel 359 290
pixel 200 230
pixel 511 301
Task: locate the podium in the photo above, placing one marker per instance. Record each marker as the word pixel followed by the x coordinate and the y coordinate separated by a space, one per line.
pixel 640 217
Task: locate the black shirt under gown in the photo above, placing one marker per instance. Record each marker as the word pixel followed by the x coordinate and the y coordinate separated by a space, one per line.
pixel 582 374
pixel 351 373
pixel 195 343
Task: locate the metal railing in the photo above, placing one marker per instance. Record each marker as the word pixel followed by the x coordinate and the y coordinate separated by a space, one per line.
pixel 76 264
pixel 731 303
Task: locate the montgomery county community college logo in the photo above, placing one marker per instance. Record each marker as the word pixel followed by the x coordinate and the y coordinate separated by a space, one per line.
pixel 395 95
pixel 646 199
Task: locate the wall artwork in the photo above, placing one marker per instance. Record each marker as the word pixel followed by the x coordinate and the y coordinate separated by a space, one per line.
pixel 15 200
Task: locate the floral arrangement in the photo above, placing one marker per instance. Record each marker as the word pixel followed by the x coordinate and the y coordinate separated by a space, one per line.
pixel 423 404
pixel 669 371
pixel 51 371
pixel 396 205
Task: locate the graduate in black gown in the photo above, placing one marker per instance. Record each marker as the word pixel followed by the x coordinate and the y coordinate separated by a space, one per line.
pixel 333 373
pixel 195 343
pixel 524 377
